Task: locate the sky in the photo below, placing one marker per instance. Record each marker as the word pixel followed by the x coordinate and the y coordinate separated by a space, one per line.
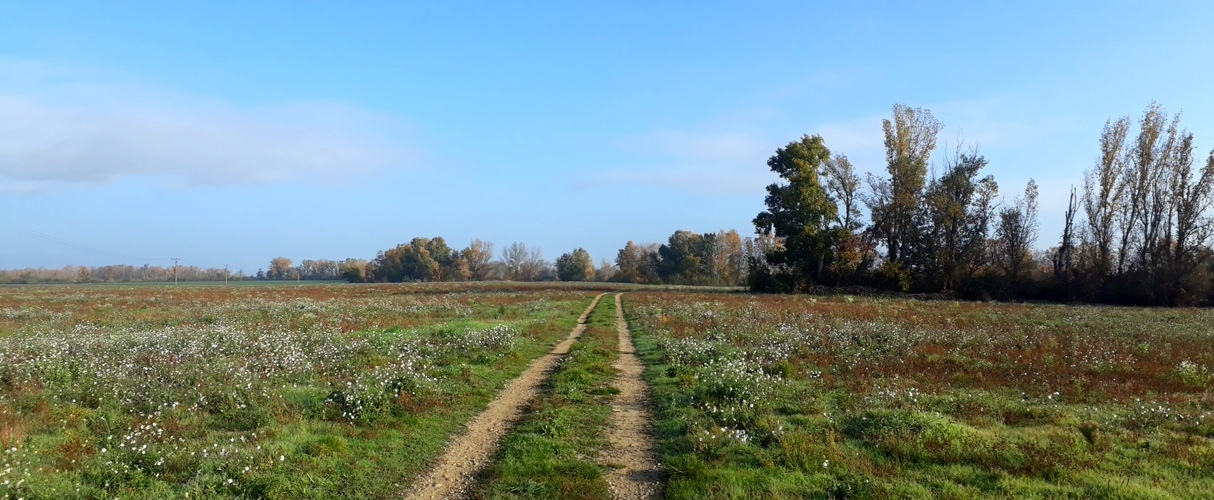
pixel 230 133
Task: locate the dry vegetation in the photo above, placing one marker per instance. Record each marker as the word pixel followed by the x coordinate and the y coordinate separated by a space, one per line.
pixel 787 397
pixel 351 390
pixel 282 391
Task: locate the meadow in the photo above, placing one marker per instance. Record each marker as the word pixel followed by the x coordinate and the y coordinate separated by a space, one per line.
pixel 322 391
pixel 351 391
pixel 812 397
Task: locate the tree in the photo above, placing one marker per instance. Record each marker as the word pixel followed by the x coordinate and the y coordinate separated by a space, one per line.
pixel 1143 208
pixel 1102 195
pixel 389 265
pixel 843 185
pixel 959 208
pixel 417 263
pixel 280 269
pixel 451 265
pixel 478 257
pixel 422 259
pixel 909 140
pixel 1064 260
pixel 1194 197
pixel 1016 232
pixel 635 264
pixel 686 258
pixel 729 258
pixel 521 263
pixel 575 266
pixel 800 212
pixel 605 272
pixel 321 269
pixel 353 270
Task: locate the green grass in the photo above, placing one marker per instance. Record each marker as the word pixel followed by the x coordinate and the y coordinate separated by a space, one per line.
pixel 552 451
pixel 252 392
pixel 779 397
pixel 334 391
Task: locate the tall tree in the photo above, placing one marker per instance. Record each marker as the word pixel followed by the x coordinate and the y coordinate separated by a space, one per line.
pixel 1143 208
pixel 320 269
pixel 451 265
pixel 1102 195
pixel 800 212
pixel 909 140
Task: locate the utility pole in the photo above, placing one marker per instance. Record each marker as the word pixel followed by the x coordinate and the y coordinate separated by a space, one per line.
pixel 175 260
pixel 225 274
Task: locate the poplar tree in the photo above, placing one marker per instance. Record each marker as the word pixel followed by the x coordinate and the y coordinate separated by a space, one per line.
pixel 894 202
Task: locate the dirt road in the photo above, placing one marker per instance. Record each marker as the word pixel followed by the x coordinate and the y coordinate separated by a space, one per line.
pixel 469 452
pixel 636 473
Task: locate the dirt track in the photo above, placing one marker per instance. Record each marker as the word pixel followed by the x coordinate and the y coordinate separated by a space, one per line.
pixel 636 474
pixel 469 452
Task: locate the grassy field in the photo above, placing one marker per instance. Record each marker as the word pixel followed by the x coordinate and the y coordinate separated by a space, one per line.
pixel 304 391
pixel 334 391
pixel 795 397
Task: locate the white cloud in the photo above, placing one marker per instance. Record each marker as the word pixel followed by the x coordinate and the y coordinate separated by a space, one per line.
pixel 59 126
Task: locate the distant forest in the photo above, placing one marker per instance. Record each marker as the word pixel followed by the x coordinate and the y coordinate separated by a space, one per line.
pixel 1137 232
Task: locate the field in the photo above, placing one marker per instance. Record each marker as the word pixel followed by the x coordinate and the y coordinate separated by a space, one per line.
pixel 351 391
pixel 793 397
pixel 319 391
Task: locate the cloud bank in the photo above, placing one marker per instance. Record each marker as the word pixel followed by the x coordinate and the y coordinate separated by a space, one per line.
pixel 60 127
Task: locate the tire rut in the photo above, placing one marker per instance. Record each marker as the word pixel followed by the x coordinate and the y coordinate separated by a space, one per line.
pixel 467 454
pixel 636 473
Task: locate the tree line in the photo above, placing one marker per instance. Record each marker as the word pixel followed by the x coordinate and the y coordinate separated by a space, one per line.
pixel 686 258
pixel 1144 236
pixel 119 273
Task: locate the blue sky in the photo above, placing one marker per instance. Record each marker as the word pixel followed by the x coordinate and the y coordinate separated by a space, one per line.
pixel 234 132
